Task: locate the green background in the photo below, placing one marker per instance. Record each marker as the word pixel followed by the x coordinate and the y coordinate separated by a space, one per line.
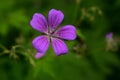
pixel 87 58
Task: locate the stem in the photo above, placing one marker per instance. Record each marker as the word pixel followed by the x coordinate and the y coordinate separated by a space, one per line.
pixel 76 10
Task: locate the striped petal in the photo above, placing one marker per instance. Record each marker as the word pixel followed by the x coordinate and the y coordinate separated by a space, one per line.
pixel 67 32
pixel 41 43
pixel 39 23
pixel 59 46
pixel 55 17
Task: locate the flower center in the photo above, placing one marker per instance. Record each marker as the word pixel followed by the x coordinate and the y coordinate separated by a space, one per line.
pixel 50 34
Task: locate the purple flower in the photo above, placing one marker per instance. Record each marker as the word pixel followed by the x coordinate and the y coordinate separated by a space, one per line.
pixel 52 34
pixel 109 35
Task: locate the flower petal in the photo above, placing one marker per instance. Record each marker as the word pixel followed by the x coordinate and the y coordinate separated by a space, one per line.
pixel 59 46
pixel 67 32
pixel 41 43
pixel 39 22
pixel 55 17
pixel 39 55
pixel 109 35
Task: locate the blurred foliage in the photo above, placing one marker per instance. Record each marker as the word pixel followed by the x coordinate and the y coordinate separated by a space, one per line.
pixel 87 58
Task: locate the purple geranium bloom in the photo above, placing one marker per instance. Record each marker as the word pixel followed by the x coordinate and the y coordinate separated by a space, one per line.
pixel 109 35
pixel 52 33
